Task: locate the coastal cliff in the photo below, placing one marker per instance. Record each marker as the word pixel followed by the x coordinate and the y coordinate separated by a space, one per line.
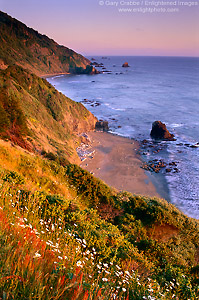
pixel 26 47
pixel 36 116
pixel 65 234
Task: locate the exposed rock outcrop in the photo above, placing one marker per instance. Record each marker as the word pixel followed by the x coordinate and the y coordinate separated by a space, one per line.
pixel 101 126
pixel 160 132
pixel 89 70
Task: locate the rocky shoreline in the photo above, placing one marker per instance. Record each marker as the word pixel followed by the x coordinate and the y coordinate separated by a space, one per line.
pixel 85 149
pixel 149 148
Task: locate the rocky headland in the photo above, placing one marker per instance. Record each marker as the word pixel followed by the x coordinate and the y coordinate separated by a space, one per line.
pixel 37 52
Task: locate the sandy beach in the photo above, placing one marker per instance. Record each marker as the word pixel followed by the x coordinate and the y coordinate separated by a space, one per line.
pixel 116 162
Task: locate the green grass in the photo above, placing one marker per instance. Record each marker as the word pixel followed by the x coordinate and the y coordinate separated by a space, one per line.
pixel 30 106
pixel 85 241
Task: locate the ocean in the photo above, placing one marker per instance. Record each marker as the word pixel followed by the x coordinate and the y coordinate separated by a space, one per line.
pixel 131 99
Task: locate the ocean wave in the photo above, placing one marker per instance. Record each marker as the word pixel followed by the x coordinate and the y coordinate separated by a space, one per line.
pixel 176 125
pixel 57 76
pixel 113 108
pixel 119 134
pixel 120 109
pixel 184 193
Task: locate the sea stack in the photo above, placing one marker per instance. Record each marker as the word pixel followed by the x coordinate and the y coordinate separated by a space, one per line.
pixel 160 132
pixel 125 65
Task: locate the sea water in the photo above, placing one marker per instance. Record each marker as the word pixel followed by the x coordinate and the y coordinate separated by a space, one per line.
pixel 131 99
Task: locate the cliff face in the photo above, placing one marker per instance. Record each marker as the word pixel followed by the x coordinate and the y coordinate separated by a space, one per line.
pixel 26 47
pixel 33 114
pixel 36 116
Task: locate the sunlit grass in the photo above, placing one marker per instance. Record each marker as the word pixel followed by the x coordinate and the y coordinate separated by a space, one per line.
pixel 54 247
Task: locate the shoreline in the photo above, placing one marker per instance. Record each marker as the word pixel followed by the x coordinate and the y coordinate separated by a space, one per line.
pixel 54 75
pixel 144 183
pixel 114 159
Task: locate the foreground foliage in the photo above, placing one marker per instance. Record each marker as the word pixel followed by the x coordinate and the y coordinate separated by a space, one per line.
pixel 66 235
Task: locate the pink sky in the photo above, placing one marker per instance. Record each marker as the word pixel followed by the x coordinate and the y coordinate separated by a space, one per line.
pixel 91 29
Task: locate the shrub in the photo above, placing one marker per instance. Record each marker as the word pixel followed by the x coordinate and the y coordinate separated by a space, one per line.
pixel 90 188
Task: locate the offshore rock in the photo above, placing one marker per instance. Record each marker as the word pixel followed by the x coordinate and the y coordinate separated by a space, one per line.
pixel 160 132
pixel 125 65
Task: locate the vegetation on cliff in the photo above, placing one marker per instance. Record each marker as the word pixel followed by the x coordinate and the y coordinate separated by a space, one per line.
pixel 36 116
pixel 26 47
pixel 66 235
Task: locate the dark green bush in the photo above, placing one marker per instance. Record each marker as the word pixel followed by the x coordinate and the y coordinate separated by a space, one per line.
pixel 90 188
pixel 13 178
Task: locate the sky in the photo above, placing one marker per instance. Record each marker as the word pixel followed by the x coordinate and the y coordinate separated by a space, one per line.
pixel 96 27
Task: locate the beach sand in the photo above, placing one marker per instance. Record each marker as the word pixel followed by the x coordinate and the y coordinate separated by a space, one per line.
pixel 116 162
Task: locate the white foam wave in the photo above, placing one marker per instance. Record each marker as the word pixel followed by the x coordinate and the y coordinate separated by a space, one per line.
pixel 120 109
pixel 118 133
pixel 176 125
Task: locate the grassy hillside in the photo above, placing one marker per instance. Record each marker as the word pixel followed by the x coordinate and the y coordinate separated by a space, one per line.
pixel 26 47
pixel 63 233
pixel 66 235
pixel 36 116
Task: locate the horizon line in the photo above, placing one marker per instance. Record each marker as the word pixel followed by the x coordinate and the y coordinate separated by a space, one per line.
pixel 137 55
pixel 122 55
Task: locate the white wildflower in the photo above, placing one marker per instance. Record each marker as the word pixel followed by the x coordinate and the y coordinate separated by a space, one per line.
pixel 79 263
pixel 105 279
pixel 127 272
pixel 36 255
